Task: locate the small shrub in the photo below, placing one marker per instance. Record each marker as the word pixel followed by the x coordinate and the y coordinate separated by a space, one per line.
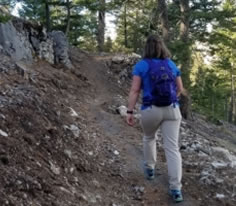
pixel 4 18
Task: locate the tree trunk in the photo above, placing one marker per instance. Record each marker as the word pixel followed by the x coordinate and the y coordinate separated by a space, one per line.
pixel 125 25
pixel 68 17
pixel 186 55
pixel 163 16
pixel 101 25
pixel 213 104
pixel 184 37
pixel 226 109
pixel 47 14
pixel 184 24
pixel 232 100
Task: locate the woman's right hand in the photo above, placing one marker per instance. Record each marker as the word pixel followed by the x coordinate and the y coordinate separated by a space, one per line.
pixel 130 119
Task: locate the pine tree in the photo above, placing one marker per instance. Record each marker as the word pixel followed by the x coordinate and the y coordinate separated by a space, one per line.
pixel 101 24
pixel 223 47
pixel 163 16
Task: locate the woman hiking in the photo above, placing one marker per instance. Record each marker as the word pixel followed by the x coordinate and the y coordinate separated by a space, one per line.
pixel 159 79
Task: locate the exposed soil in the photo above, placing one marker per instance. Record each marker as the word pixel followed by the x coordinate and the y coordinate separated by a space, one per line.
pixel 65 145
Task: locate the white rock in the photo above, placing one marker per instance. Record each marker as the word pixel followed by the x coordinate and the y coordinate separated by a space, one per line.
pixel 90 153
pixel 205 173
pixel 118 59
pixel 225 154
pixel 218 165
pixel 72 169
pixel 65 190
pixel 183 133
pixel 93 199
pixel 96 183
pixel 76 179
pixel 220 196
pixel 135 55
pixel 74 129
pixel 2 116
pixel 139 189
pixel 68 153
pixel 116 152
pixel 122 110
pixel 58 113
pixel 206 180
pixel 47 137
pixel 94 135
pixel 202 154
pixel 98 197
pixel 55 170
pixel 83 197
pixel 38 163
pixel 218 180
pixel 233 163
pixel 25 196
pixel 221 152
pixel 73 113
pixel 137 116
pixel 3 133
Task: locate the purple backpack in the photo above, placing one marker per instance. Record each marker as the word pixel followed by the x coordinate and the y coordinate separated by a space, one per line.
pixel 163 84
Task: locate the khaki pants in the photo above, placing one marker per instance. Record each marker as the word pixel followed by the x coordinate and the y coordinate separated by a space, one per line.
pixel 168 119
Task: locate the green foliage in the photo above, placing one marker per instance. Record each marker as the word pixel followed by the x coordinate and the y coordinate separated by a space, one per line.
pixel 203 13
pixel 5 7
pixel 209 50
pixel 33 10
pixel 86 29
pixel 83 20
pixel 119 48
pixel 5 18
pixel 210 92
pixel 211 88
pixel 137 16
pixel 223 48
pixel 108 45
pixel 9 4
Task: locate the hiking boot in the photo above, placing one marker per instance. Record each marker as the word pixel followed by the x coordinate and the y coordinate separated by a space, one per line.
pixel 149 173
pixel 176 195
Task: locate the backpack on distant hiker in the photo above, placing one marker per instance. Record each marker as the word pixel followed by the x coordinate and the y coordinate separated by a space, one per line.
pixel 163 84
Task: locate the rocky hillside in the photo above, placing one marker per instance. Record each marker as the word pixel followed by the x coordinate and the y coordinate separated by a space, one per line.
pixel 64 141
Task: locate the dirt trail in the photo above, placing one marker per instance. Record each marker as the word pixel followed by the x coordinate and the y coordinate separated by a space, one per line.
pixel 63 144
pixel 128 142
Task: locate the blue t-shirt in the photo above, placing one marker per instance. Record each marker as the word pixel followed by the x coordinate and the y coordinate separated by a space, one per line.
pixel 141 69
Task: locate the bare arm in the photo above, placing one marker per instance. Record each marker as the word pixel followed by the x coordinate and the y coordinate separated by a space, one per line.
pixel 133 97
pixel 180 88
pixel 134 92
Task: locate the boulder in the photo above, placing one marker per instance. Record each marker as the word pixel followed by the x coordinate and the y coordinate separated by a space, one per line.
pixel 46 51
pixel 14 43
pixel 121 66
pixel 23 40
pixel 61 47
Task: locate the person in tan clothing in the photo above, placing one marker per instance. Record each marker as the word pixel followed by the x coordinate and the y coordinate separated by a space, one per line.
pixel 159 79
